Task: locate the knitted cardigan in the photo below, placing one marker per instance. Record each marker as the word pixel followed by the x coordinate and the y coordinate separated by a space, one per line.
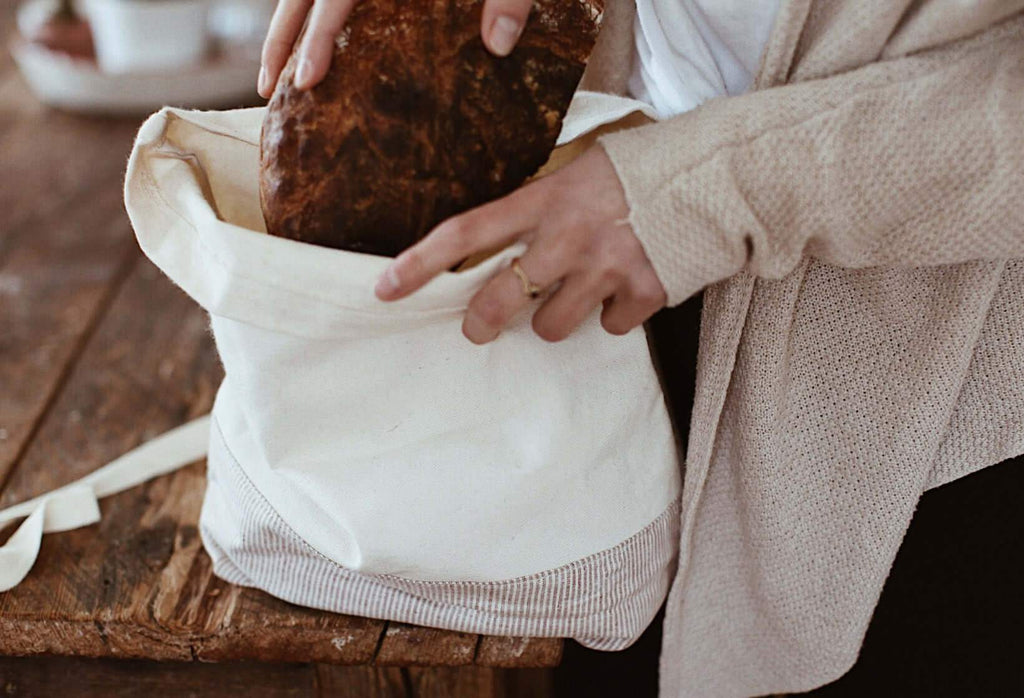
pixel 857 223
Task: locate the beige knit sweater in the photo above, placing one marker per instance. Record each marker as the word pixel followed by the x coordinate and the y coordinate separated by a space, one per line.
pixel 858 221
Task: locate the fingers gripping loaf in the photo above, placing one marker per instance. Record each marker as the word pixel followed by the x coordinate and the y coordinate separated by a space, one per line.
pixel 416 121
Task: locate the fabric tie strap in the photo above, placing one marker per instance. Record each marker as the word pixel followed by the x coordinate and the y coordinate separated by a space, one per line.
pixel 77 504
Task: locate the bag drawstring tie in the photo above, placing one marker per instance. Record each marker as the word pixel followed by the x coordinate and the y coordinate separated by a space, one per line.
pixel 77 504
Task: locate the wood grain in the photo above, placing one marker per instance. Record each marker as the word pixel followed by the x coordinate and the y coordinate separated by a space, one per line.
pixel 413 645
pixel 496 651
pixel 436 682
pixel 60 258
pixel 45 677
pixel 54 163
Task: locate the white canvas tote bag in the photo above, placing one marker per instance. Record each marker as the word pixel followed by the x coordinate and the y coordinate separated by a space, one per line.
pixel 364 457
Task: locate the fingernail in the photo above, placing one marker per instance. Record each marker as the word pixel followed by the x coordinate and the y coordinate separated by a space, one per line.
pixel 387 284
pixel 477 331
pixel 504 34
pixel 261 83
pixel 304 74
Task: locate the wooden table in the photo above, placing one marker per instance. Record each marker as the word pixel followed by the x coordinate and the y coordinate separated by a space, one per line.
pixel 98 353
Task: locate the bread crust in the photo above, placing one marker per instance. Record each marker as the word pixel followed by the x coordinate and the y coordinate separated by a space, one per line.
pixel 416 121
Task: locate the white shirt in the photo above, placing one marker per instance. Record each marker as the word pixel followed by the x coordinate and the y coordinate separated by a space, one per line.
pixel 688 51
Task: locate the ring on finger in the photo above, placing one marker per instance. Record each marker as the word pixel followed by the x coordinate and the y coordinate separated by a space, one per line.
pixel 530 289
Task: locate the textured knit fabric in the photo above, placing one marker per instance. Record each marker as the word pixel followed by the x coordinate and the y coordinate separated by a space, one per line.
pixel 856 223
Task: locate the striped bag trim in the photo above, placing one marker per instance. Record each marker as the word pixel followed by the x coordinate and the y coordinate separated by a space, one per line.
pixel 604 601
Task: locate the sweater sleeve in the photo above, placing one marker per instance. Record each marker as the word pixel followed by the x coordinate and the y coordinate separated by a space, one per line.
pixel 913 161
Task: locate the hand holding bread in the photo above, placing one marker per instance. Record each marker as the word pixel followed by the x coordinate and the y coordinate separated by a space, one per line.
pixel 581 250
pixel 411 123
pixel 416 121
pixel 501 24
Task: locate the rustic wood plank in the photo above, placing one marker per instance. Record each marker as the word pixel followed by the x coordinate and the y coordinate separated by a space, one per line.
pixel 54 163
pixel 498 651
pixel 412 645
pixel 460 681
pixel 482 682
pixel 150 366
pixel 361 682
pixel 524 683
pixel 435 682
pixel 52 290
pixel 267 628
pixel 45 677
pixel 65 243
pixel 138 584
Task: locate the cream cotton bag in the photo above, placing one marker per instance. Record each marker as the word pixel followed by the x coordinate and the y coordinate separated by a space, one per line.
pixel 365 458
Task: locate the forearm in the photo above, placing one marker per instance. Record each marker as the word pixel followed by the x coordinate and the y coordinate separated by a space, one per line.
pixel 915 161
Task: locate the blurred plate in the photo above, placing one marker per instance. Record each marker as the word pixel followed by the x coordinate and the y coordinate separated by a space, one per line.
pixel 227 79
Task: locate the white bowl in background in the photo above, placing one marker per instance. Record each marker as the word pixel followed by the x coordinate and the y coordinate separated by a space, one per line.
pixel 227 78
pixel 78 85
pixel 148 35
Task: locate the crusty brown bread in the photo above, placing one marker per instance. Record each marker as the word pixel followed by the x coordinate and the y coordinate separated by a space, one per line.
pixel 416 121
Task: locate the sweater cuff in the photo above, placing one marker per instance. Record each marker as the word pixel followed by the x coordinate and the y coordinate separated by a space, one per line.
pixel 680 217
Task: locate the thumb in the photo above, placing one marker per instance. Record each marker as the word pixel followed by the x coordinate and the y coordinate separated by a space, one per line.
pixel 502 23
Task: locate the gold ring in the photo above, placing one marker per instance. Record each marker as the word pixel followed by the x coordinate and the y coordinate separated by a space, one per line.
pixel 531 289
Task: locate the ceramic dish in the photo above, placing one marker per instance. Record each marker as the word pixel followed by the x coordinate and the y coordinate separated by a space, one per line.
pixel 227 78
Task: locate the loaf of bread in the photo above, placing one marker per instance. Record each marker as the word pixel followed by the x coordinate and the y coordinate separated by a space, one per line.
pixel 416 121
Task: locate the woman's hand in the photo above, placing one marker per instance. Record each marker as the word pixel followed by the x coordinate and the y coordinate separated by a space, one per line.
pixel 500 26
pixel 574 223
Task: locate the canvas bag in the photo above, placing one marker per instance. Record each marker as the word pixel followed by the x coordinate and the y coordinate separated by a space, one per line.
pixel 364 457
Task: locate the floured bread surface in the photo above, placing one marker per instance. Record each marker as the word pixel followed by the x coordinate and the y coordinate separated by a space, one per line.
pixel 417 121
